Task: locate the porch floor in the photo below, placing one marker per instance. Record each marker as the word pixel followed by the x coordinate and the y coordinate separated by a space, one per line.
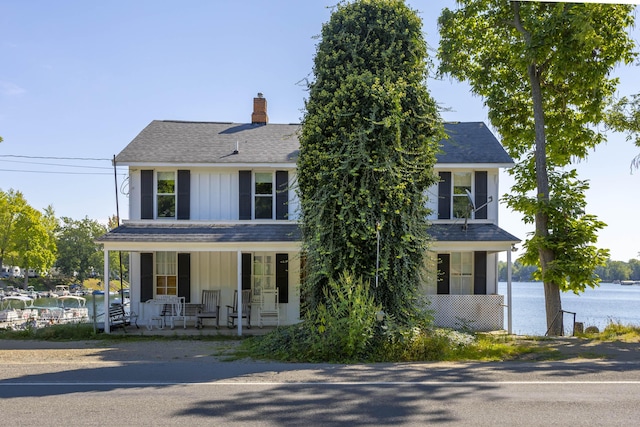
pixel 190 330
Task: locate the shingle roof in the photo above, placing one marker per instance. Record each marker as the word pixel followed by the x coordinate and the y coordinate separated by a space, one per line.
pixel 473 233
pixel 210 142
pixel 283 232
pixel 218 233
pixel 471 142
pixel 166 141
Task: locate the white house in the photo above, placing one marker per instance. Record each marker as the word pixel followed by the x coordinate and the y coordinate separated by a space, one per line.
pixel 212 205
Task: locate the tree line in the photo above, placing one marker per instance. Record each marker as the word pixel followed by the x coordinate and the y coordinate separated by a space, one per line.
pixel 610 272
pixel 38 240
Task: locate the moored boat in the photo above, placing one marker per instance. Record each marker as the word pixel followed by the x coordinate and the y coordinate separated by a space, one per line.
pixel 629 282
pixel 74 309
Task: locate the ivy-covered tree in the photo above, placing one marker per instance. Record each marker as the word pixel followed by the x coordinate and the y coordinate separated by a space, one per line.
pixel 77 251
pixel 543 70
pixel 368 142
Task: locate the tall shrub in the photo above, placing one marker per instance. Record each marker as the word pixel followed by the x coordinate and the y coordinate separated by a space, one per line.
pixel 368 142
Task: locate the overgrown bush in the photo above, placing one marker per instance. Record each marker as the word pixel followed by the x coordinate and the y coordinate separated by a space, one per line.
pixel 346 329
pixel 344 324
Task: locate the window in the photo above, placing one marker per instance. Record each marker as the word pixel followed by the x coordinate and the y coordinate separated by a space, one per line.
pixel 462 207
pixel 166 194
pixel 263 192
pixel 264 272
pixel 166 273
pixel 263 195
pixel 461 273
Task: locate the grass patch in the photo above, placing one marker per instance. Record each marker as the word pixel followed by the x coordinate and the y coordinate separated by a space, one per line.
pixel 617 332
pixel 85 332
pixel 66 332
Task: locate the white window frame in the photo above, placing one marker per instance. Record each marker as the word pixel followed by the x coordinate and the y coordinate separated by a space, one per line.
pixel 454 195
pixel 255 195
pixel 263 272
pixel 166 271
pixel 461 273
pixel 157 194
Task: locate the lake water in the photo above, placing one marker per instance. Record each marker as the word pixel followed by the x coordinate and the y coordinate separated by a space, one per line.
pixel 598 307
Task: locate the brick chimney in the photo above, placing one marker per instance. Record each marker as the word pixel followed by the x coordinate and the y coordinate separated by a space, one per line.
pixel 259 115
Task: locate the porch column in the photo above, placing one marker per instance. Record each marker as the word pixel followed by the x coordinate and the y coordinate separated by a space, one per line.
pixel 107 327
pixel 239 293
pixel 509 311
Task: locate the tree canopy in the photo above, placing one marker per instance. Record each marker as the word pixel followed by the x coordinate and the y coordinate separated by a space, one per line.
pixel 26 235
pixel 624 116
pixel 77 251
pixel 543 70
pixel 368 142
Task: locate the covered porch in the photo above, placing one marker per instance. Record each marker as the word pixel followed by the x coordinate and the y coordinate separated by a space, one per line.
pixel 179 262
pixel 463 285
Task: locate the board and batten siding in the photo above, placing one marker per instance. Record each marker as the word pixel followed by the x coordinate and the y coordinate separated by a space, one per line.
pixel 214 195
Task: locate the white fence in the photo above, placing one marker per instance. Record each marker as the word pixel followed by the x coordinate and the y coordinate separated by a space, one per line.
pixel 476 312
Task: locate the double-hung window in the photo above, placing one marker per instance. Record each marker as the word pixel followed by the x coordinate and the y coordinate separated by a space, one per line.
pixel 166 273
pixel 461 276
pixel 263 195
pixel 462 207
pixel 458 192
pixel 166 195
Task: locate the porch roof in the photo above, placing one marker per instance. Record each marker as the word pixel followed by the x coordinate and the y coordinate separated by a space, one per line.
pixel 483 232
pixel 203 233
pixel 278 232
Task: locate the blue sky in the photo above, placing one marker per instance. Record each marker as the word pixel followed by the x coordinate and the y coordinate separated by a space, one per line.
pixel 81 79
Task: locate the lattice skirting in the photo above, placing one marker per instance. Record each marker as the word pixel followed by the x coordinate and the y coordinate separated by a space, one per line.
pixel 475 312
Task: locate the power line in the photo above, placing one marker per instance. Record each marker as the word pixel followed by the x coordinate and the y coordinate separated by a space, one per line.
pixel 57 164
pixel 55 158
pixel 63 173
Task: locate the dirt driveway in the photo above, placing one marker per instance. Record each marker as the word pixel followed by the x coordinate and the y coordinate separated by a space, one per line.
pixel 20 351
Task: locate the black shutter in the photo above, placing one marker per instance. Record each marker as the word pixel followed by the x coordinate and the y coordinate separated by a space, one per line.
pixel 282 194
pixel 244 189
pixel 146 194
pixel 480 273
pixel 444 196
pixel 246 271
pixel 146 276
pixel 481 194
pixel 184 276
pixel 184 194
pixel 282 277
pixel 444 273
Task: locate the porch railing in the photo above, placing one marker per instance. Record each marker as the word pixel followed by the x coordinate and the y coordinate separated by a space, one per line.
pixel 474 312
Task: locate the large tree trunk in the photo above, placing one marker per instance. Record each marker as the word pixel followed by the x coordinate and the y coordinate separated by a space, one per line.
pixel 551 290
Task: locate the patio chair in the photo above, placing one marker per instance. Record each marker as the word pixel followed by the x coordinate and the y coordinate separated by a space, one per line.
pixel 232 311
pixel 210 307
pixel 172 308
pixel 269 308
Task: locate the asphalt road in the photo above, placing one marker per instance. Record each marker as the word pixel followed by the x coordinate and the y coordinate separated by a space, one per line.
pixel 107 389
